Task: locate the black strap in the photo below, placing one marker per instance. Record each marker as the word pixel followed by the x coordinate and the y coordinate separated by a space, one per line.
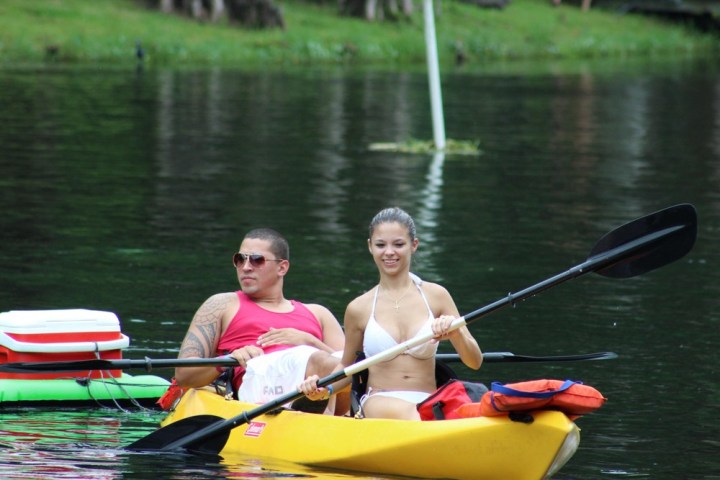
pixel 437 409
pixel 522 417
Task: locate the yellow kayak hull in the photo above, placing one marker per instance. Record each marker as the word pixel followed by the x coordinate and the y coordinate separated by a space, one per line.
pixel 472 448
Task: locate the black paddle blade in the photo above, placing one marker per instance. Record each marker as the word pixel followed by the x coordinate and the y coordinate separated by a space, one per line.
pixel 666 236
pixel 163 438
pixel 509 357
pixel 512 358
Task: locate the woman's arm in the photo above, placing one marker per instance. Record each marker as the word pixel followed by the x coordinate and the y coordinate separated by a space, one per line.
pixel 461 339
pixel 354 329
pixel 333 336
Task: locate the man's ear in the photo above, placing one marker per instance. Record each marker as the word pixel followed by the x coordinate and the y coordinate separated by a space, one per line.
pixel 283 267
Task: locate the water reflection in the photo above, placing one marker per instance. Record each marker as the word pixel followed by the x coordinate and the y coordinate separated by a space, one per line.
pixel 431 198
pixel 129 193
pixel 88 445
pixel 78 444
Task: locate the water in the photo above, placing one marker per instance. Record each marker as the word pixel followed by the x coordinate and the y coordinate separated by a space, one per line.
pixel 128 191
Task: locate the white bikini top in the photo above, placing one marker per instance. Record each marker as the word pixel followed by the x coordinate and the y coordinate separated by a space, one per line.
pixel 377 339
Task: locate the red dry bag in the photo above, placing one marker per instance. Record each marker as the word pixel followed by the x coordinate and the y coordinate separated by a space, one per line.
pixel 444 402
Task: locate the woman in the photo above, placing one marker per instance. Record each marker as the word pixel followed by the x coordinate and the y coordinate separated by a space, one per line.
pixel 400 307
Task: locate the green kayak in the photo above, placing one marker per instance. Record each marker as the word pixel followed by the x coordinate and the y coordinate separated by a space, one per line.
pixel 125 390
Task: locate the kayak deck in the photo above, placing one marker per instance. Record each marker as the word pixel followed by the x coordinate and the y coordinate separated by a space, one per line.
pixel 471 448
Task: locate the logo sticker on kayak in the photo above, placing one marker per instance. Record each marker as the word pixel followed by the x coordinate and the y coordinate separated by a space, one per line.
pixel 254 429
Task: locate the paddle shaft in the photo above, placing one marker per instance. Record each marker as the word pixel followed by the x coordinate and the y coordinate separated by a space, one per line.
pixel 226 361
pixel 146 364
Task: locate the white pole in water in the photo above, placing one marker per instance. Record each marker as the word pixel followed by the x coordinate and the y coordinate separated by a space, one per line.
pixel 434 76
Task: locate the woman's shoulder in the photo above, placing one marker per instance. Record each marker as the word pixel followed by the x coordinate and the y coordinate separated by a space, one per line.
pixel 431 287
pixel 363 299
pixel 361 304
pixel 436 294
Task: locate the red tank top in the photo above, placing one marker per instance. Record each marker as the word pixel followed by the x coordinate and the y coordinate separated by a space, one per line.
pixel 251 321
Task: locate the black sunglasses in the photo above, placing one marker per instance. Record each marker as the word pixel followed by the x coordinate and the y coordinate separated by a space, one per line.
pixel 256 260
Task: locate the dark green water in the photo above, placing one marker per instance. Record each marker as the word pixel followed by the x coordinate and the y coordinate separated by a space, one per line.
pixel 129 191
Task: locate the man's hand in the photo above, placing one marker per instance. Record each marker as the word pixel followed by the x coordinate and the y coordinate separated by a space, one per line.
pixel 284 336
pixel 243 354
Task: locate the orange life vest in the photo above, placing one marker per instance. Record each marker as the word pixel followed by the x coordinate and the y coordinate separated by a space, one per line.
pixel 572 398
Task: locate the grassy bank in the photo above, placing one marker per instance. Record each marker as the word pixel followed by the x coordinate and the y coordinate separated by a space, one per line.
pixel 81 31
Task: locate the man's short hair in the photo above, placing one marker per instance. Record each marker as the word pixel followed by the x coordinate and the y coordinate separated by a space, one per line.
pixel 278 244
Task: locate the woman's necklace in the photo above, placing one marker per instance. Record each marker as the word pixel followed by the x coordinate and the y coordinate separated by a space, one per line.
pixel 397 301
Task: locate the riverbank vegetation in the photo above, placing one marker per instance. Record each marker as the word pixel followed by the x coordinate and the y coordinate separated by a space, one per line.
pixel 116 31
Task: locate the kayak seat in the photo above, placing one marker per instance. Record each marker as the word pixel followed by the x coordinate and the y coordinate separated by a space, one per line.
pixel 304 404
pixel 443 373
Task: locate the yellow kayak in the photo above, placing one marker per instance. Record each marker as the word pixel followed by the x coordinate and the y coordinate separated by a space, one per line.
pixel 493 448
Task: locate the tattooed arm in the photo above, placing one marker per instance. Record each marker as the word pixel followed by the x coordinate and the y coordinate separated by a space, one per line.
pixel 202 338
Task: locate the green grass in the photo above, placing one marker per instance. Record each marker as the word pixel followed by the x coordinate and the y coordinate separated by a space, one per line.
pixel 105 31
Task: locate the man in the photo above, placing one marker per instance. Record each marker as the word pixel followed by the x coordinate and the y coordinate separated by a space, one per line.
pixel 277 342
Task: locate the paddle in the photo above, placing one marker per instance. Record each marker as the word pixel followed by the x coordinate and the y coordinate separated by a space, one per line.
pixel 125 364
pixel 508 357
pixel 226 361
pixel 632 249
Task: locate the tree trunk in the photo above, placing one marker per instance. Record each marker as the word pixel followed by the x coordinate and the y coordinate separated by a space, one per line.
pixel 217 7
pixel 407 8
pixel 255 13
pixel 392 9
pixel 196 9
pixel 372 10
pixel 167 6
pixel 352 8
